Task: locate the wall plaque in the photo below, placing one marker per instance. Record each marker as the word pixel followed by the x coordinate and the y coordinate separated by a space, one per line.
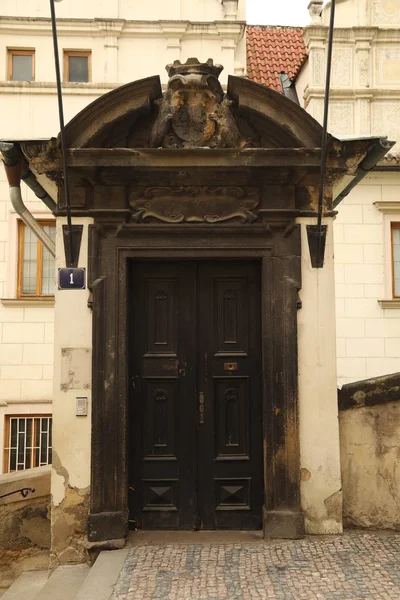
pixel 71 279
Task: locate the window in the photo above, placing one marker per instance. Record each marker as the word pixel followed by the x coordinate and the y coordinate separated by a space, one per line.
pixel 21 65
pixel 395 226
pixel 77 65
pixel 36 267
pixel 28 442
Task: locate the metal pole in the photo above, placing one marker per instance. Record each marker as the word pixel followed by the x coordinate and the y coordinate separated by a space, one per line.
pixel 61 117
pixel 325 127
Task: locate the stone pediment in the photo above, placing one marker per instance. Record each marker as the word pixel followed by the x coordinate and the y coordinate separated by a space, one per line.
pixel 193 112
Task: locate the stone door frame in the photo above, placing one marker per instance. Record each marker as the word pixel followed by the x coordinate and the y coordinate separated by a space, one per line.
pixel 111 247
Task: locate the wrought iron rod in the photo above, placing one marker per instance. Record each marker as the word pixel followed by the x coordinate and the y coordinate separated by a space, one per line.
pixel 23 491
pixel 324 145
pixel 62 138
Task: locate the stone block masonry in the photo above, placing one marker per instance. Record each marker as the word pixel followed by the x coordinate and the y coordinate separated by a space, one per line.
pixel 368 335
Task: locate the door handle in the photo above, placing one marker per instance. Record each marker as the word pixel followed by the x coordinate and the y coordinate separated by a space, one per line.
pixel 182 369
pixel 201 408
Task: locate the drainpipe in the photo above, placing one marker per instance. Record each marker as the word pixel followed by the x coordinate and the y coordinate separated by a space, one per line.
pixel 13 165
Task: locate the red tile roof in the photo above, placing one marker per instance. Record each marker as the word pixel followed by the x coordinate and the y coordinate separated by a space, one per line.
pixel 272 50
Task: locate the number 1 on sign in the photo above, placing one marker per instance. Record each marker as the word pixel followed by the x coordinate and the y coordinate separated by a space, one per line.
pixel 71 279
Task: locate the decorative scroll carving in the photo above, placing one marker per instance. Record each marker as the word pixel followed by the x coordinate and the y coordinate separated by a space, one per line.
pixel 193 112
pixel 194 204
pixel 386 12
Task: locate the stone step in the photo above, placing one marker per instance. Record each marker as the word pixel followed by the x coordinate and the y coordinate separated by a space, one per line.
pixel 27 586
pixel 103 576
pixel 64 583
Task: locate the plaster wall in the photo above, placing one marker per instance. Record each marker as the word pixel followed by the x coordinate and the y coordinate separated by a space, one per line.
pixel 370 457
pixel 71 442
pixel 321 495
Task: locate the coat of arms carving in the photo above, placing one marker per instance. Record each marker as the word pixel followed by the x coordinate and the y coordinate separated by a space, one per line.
pixel 194 112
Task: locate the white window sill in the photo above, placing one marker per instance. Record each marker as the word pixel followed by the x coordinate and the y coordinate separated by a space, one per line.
pixel 390 303
pixel 27 302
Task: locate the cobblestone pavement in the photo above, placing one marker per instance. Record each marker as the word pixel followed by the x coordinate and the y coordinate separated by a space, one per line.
pixel 355 566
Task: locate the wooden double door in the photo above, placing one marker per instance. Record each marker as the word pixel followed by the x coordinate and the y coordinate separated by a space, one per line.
pixel 195 439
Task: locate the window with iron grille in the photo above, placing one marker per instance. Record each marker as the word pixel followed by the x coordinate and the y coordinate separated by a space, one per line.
pixel 28 442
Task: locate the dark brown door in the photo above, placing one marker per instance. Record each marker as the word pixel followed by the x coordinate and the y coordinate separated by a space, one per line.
pixel 196 417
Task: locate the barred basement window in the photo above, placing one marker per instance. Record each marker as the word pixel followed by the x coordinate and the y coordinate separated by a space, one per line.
pixel 36 267
pixel 28 442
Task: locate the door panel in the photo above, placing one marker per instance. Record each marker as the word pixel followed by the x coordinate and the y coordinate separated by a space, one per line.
pixel 196 412
pixel 230 465
pixel 162 447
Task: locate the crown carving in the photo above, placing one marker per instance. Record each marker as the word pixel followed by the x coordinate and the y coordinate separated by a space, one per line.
pixel 194 67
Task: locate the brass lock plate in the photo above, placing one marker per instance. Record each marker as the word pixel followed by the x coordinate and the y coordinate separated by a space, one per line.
pixel 232 366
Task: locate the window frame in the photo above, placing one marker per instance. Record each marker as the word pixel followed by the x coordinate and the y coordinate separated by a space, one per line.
pixel 393 225
pixel 19 52
pixel 83 53
pixel 7 440
pixel 39 262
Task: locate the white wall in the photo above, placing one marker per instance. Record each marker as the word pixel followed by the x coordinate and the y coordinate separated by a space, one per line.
pixel 368 335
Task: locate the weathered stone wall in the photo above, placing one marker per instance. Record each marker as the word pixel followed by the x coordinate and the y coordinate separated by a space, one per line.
pixel 25 522
pixel 369 424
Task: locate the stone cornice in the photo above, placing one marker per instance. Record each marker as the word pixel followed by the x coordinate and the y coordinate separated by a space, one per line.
pixel 352 35
pixel 351 93
pixel 388 208
pixel 121 27
pixel 49 87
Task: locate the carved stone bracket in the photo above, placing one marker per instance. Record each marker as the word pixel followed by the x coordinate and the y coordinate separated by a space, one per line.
pixel 194 204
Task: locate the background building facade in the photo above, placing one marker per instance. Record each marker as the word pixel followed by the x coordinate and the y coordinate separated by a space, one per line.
pixel 101 45
pixel 365 100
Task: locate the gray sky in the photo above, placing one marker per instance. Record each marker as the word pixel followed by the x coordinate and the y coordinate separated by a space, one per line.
pixel 277 12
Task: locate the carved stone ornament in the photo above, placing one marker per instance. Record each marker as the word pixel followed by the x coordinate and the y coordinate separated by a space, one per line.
pixel 193 112
pixel 194 204
pixel 386 12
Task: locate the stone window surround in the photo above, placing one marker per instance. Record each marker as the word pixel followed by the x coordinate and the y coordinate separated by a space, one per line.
pixel 391 214
pixel 10 291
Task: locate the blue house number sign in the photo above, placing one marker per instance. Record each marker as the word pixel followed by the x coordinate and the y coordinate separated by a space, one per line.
pixel 71 279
